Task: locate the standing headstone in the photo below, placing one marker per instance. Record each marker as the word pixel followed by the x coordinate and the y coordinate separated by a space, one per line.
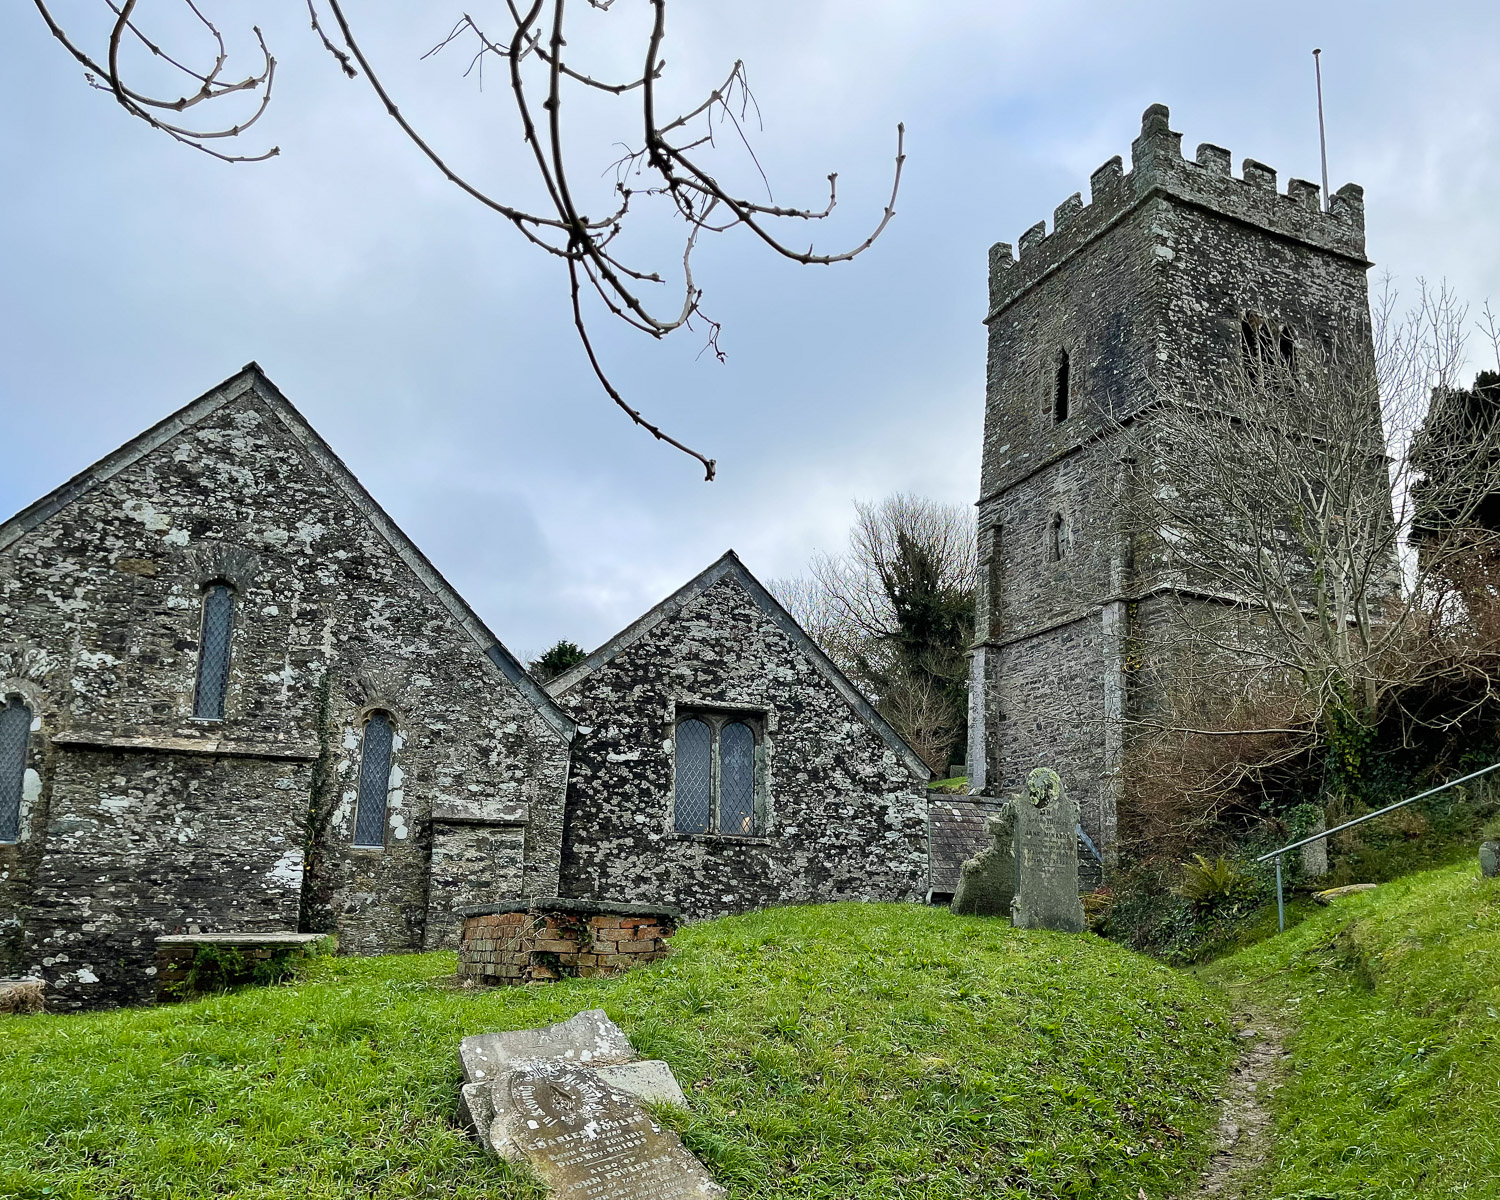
pixel 1047 857
pixel 1315 854
pixel 589 1140
pixel 1489 859
pixel 987 882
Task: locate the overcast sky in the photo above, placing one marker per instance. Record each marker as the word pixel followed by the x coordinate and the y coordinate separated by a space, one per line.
pixel 432 348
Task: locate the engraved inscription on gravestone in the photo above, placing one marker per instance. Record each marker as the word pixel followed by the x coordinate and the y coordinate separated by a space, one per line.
pixel 1047 857
pixel 590 1141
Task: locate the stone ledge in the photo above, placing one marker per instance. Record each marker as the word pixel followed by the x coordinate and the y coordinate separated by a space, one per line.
pixel 506 814
pixel 614 908
pixel 85 740
pixel 240 939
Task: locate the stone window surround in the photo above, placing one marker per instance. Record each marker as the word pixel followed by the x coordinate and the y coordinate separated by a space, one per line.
pixel 762 722
pixel 237 611
pixel 361 720
pixel 27 705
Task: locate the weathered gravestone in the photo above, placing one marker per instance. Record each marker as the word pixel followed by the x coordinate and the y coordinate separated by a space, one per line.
pixel 567 1100
pixel 1489 859
pixel 1047 856
pixel 591 1141
pixel 987 882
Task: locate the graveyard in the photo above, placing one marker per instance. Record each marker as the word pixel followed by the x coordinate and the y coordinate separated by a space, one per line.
pixel 849 1050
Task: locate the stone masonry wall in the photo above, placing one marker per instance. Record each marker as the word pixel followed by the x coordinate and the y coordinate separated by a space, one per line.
pixel 1144 289
pixel 100 602
pixel 845 816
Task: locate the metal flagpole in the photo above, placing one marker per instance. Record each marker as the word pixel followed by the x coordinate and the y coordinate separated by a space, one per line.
pixel 1322 135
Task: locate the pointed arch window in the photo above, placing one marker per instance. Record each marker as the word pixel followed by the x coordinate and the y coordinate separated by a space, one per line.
pixel 15 734
pixel 213 652
pixel 374 782
pixel 715 775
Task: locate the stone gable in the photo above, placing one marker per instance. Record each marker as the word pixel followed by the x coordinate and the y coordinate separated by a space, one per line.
pixel 840 801
pixel 149 821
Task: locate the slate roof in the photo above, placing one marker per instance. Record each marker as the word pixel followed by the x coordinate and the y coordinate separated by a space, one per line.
pixel 252 378
pixel 730 565
pixel 956 833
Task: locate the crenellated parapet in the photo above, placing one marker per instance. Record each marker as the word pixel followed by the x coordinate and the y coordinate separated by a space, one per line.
pixel 1158 168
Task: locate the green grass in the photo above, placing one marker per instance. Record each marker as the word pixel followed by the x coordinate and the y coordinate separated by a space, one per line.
pixel 958 783
pixel 839 1052
pixel 1393 1000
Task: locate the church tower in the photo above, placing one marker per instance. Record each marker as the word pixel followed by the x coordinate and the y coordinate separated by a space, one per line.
pixel 1158 280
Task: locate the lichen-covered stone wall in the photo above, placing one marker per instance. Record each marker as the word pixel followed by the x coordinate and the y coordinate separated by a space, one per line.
pixel 845 814
pixel 146 820
pixel 1144 290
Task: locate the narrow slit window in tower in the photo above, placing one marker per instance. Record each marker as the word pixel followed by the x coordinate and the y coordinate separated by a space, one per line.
pixel 15 732
pixel 1287 348
pixel 1057 538
pixel 1061 390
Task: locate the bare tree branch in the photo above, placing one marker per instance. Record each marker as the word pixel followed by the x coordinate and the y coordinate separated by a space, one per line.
pixel 534 50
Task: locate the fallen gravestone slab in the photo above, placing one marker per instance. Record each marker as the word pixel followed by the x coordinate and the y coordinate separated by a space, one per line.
pixel 1489 859
pixel 987 882
pixel 1047 856
pixel 589 1040
pixel 1329 895
pixel 589 1140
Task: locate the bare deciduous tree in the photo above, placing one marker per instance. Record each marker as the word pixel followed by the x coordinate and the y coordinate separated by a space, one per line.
pixel 1312 521
pixel 896 612
pixel 668 165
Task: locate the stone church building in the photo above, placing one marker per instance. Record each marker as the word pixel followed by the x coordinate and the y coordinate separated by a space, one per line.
pixel 235 697
pixel 1174 272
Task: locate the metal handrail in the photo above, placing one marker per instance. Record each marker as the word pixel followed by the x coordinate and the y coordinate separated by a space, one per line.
pixel 1379 812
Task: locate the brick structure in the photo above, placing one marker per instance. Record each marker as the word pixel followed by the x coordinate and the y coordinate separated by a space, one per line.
pixel 831 805
pixel 1131 298
pixel 553 939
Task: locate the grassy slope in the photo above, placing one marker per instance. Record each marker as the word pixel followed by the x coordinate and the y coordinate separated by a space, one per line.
pixel 1393 999
pixel 839 1052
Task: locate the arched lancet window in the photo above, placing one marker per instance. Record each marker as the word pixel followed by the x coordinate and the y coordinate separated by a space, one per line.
pixel 15 732
pixel 1062 388
pixel 736 779
pixel 213 652
pixel 693 807
pixel 1057 538
pixel 374 781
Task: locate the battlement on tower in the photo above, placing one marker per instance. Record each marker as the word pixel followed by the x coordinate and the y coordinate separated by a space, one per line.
pixel 1158 168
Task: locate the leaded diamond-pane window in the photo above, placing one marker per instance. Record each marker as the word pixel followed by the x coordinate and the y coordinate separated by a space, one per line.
pixel 213 652
pixel 15 730
pixel 736 779
pixel 374 782
pixel 716 776
pixel 695 805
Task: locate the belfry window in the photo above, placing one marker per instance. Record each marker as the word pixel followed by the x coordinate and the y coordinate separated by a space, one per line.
pixel 15 732
pixel 213 652
pixel 715 776
pixel 1062 389
pixel 1287 348
pixel 374 782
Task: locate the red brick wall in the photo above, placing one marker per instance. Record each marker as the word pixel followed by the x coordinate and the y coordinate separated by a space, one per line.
pixel 528 947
